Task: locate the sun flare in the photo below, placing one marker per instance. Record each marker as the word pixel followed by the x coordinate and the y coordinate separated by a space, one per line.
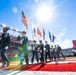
pixel 44 13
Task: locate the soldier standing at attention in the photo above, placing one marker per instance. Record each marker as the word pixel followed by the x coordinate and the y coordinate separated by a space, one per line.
pixel 41 48
pixel 51 52
pixel 34 51
pixel 59 51
pixel 5 41
pixel 55 53
pixel 47 51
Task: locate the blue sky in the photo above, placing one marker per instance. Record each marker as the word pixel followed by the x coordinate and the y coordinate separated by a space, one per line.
pixel 62 25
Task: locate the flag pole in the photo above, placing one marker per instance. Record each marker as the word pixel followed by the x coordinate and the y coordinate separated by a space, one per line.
pixel 38 37
pixel 54 42
pixel 54 39
pixel 32 35
pixel 21 20
pixel 37 33
pixel 32 30
pixel 21 26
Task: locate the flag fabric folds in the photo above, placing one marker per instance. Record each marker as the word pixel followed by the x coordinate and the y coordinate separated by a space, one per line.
pixel 24 20
pixel 49 35
pixel 39 32
pixel 34 32
pixel 43 34
pixel 53 38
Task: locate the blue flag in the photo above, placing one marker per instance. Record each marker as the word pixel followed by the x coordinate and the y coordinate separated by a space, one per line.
pixel 34 32
pixel 49 35
pixel 43 34
pixel 53 38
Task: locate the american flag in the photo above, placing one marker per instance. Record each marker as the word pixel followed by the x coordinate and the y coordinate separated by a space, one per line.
pixel 24 20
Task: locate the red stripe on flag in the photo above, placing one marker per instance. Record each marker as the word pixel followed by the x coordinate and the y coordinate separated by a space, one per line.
pixel 24 20
pixel 25 24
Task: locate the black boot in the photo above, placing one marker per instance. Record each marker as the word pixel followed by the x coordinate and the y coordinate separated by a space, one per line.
pixel 3 64
pixel 8 63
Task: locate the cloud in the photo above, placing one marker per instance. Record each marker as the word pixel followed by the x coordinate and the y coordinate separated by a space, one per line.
pixel 66 44
pixel 59 36
pixel 15 10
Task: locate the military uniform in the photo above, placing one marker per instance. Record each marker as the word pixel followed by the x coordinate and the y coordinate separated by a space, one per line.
pixel 55 53
pixel 5 41
pixel 51 53
pixel 47 51
pixel 22 49
pixel 34 52
pixel 41 48
pixel 59 51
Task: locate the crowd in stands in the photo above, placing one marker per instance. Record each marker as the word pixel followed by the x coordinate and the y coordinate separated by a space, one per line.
pixel 11 53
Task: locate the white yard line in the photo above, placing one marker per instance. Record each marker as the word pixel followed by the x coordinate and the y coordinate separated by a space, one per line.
pixel 11 72
pixel 61 62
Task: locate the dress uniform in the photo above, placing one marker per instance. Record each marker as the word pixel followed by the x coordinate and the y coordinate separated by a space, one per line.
pixel 41 48
pixel 22 49
pixel 34 51
pixel 59 51
pixel 47 51
pixel 5 41
pixel 51 52
pixel 55 53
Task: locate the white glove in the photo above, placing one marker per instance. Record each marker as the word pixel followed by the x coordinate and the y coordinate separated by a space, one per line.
pixel 33 48
pixel 21 41
pixel 6 47
pixel 46 50
pixel 40 50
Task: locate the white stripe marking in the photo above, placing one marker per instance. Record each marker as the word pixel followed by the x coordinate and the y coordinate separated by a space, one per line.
pixel 11 72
